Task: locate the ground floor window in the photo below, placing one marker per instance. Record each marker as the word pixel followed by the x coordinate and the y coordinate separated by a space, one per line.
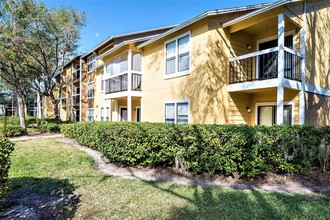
pixel 105 113
pixel 177 112
pixel 90 114
pixel 267 115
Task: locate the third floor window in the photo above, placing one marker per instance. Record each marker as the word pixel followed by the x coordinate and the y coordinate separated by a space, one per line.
pixel 91 62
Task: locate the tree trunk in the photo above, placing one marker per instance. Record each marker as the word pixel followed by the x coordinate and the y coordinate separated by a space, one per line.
pixel 21 111
pixel 55 108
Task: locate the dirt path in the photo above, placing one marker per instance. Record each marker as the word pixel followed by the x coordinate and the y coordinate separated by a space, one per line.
pixel 282 184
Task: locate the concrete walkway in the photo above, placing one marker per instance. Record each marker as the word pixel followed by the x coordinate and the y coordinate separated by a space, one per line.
pixel 26 138
pixel 146 174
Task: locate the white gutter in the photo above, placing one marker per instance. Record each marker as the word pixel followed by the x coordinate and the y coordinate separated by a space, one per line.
pixel 80 89
pixel 257 12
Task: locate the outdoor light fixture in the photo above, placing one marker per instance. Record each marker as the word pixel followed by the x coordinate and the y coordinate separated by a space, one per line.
pixel 248 46
pixel 248 109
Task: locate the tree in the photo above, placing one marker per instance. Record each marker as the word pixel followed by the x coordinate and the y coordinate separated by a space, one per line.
pixel 41 41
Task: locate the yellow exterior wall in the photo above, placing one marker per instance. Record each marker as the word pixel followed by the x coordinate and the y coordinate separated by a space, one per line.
pixel 239 101
pixel 318 43
pixel 156 90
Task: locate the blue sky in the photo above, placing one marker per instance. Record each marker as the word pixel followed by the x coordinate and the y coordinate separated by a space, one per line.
pixel 109 17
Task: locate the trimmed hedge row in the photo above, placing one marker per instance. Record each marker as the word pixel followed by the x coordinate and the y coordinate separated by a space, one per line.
pixel 6 147
pixel 225 149
pixel 13 127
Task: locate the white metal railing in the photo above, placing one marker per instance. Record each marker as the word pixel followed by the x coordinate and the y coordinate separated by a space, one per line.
pixel 263 64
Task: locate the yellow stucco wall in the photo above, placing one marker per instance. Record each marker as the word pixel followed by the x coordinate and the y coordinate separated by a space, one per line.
pixel 318 43
pixel 156 90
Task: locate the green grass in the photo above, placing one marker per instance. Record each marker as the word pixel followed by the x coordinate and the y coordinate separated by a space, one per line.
pixel 41 166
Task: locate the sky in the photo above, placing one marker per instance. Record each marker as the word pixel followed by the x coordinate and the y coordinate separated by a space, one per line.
pixel 107 18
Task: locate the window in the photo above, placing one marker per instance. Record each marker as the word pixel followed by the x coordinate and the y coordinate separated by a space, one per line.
pixel 136 61
pixel 90 90
pixel 177 112
pixel 90 114
pixel 117 65
pixel 178 55
pixel 107 114
pixel 91 62
pixel 267 115
pixel 102 80
pixel 102 114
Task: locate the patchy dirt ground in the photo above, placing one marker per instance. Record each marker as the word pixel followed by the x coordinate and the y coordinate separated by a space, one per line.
pixel 312 182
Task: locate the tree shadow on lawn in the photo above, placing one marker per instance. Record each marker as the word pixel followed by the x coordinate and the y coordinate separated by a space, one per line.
pixel 39 198
pixel 214 203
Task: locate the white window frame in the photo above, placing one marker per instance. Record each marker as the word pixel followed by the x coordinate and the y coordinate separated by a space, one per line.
pixel 176 102
pixel 91 60
pixel 273 104
pixel 88 110
pixel 109 61
pixel 177 73
pixel 89 90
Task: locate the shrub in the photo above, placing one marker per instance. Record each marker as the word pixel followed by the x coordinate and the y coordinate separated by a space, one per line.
pixel 6 147
pixel 49 127
pixel 226 149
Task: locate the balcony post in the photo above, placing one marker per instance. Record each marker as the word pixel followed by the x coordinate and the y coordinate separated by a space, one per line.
pixel 302 94
pixel 280 88
pixel 129 86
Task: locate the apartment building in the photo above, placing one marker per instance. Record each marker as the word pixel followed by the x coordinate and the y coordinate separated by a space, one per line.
pixel 262 64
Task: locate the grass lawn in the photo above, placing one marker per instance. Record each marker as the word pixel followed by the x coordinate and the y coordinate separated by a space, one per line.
pixel 46 167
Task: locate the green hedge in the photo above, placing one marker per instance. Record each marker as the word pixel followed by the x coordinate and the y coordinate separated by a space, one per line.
pixel 225 149
pixel 13 127
pixel 6 147
pixel 53 127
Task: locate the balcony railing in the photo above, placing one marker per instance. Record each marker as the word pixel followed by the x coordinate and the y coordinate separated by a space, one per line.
pixel 120 83
pixel 263 65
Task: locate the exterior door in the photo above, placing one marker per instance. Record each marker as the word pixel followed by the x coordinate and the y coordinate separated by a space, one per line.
pixel 267 68
pixel 138 114
pixel 123 114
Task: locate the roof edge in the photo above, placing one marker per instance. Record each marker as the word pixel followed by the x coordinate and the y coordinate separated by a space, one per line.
pixel 202 16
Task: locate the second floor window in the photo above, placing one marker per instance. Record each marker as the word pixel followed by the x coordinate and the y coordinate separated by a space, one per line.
pixel 90 90
pixel 102 80
pixel 117 65
pixel 178 55
pixel 91 62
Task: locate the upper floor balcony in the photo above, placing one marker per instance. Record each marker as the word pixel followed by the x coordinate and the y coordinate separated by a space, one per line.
pixel 76 99
pixel 123 75
pixel 76 76
pixel 263 65
pixel 266 50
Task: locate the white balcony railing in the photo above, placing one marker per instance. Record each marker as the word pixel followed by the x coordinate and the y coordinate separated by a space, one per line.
pixel 263 65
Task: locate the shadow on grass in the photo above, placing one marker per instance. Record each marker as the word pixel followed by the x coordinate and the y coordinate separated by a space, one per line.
pixel 39 198
pixel 216 203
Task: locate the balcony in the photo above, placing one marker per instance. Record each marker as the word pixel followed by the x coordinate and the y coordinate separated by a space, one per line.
pixel 263 65
pixel 120 83
pixel 76 75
